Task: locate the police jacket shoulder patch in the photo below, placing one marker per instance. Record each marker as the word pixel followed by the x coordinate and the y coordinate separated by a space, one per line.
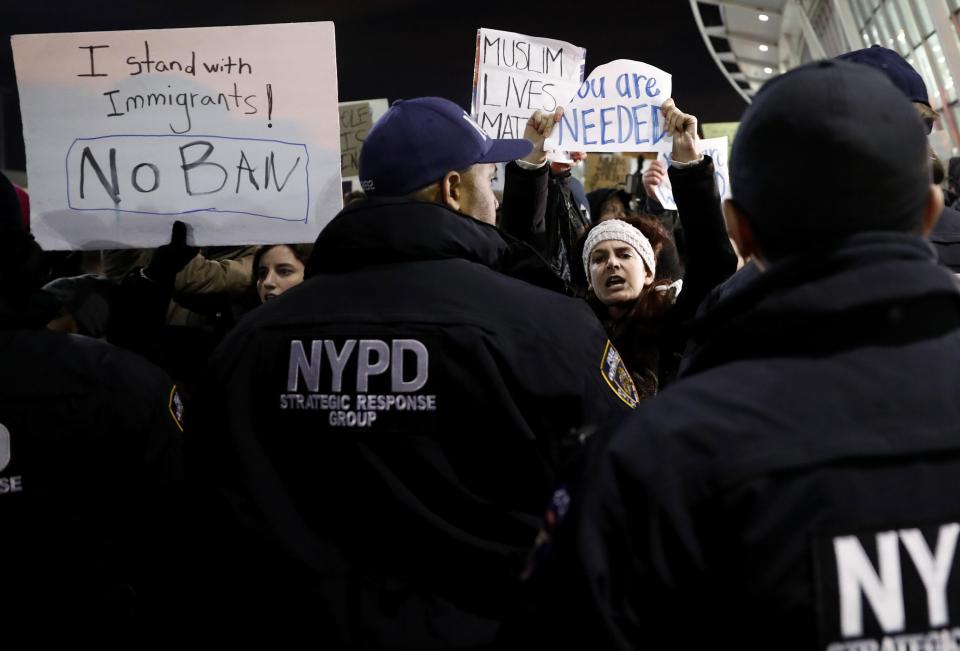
pixel 617 377
pixel 175 407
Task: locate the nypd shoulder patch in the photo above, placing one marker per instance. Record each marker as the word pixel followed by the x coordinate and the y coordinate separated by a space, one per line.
pixel 175 407
pixel 617 377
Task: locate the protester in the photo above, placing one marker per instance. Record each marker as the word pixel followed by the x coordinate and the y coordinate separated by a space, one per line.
pixel 608 203
pixel 278 267
pixel 642 309
pixel 543 204
pixel 378 445
pixel 763 500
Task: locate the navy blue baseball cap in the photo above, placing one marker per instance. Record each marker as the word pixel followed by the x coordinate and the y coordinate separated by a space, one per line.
pixel 858 131
pixel 417 141
pixel 895 67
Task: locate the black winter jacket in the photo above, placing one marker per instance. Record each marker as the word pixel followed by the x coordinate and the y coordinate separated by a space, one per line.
pixel 797 489
pixel 379 443
pixel 549 212
pixel 91 485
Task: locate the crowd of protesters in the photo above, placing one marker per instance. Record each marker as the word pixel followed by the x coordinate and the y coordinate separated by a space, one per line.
pixel 564 421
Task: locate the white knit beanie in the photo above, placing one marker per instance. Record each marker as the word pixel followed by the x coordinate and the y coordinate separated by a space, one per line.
pixel 615 229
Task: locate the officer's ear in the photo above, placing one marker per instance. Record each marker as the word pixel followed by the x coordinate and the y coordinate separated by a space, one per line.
pixel 451 190
pixel 739 229
pixel 932 210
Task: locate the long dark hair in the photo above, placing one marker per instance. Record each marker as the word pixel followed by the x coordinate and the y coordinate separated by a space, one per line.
pixel 636 332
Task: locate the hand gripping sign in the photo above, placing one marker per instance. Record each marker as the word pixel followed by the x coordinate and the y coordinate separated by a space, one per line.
pixel 716 149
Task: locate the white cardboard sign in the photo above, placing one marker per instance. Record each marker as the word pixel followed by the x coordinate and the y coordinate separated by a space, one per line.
pixel 616 109
pixel 716 149
pixel 233 130
pixel 514 75
pixel 353 132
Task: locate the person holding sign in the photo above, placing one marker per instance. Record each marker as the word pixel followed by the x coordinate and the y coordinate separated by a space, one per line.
pixel 543 204
pixel 642 309
pixel 796 488
pixel 378 445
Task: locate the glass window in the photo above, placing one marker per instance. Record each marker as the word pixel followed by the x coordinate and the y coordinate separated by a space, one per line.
pixel 866 9
pixel 955 111
pixel 858 14
pixel 903 12
pixel 923 67
pixel 926 25
pixel 940 62
pixel 896 28
pixel 885 32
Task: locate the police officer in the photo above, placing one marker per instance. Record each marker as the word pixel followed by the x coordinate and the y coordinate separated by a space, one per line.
pixel 380 442
pixel 797 489
pixel 91 470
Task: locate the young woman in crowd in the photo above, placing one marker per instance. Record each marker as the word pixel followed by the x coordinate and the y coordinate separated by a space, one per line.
pixel 644 310
pixel 278 267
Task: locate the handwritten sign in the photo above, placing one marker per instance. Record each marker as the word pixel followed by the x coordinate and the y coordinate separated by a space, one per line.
pixel 514 75
pixel 716 149
pixel 606 171
pixel 231 129
pixel 720 130
pixel 356 120
pixel 616 109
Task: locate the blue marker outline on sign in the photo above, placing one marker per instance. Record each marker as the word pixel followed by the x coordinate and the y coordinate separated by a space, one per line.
pixel 213 209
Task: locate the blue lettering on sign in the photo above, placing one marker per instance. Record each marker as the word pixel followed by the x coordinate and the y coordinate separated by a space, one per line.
pixel 721 183
pixel 638 123
pixel 569 126
pixel 636 86
pixel 587 126
pixel 714 154
pixel 650 87
pixel 658 134
pixel 623 120
pixel 618 124
pixel 594 87
pixel 603 125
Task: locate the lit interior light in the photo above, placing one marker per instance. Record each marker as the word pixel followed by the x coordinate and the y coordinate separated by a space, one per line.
pixel 763 47
pixel 763 18
pixel 768 70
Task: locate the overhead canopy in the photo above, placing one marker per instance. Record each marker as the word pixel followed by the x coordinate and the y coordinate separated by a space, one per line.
pixel 745 39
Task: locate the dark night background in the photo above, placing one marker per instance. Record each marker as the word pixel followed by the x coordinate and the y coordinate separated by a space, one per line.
pixel 403 48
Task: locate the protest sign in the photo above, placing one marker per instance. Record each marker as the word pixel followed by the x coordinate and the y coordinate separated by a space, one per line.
pixel 514 75
pixel 356 119
pixel 606 171
pixel 616 109
pixel 716 149
pixel 720 129
pixel 230 129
